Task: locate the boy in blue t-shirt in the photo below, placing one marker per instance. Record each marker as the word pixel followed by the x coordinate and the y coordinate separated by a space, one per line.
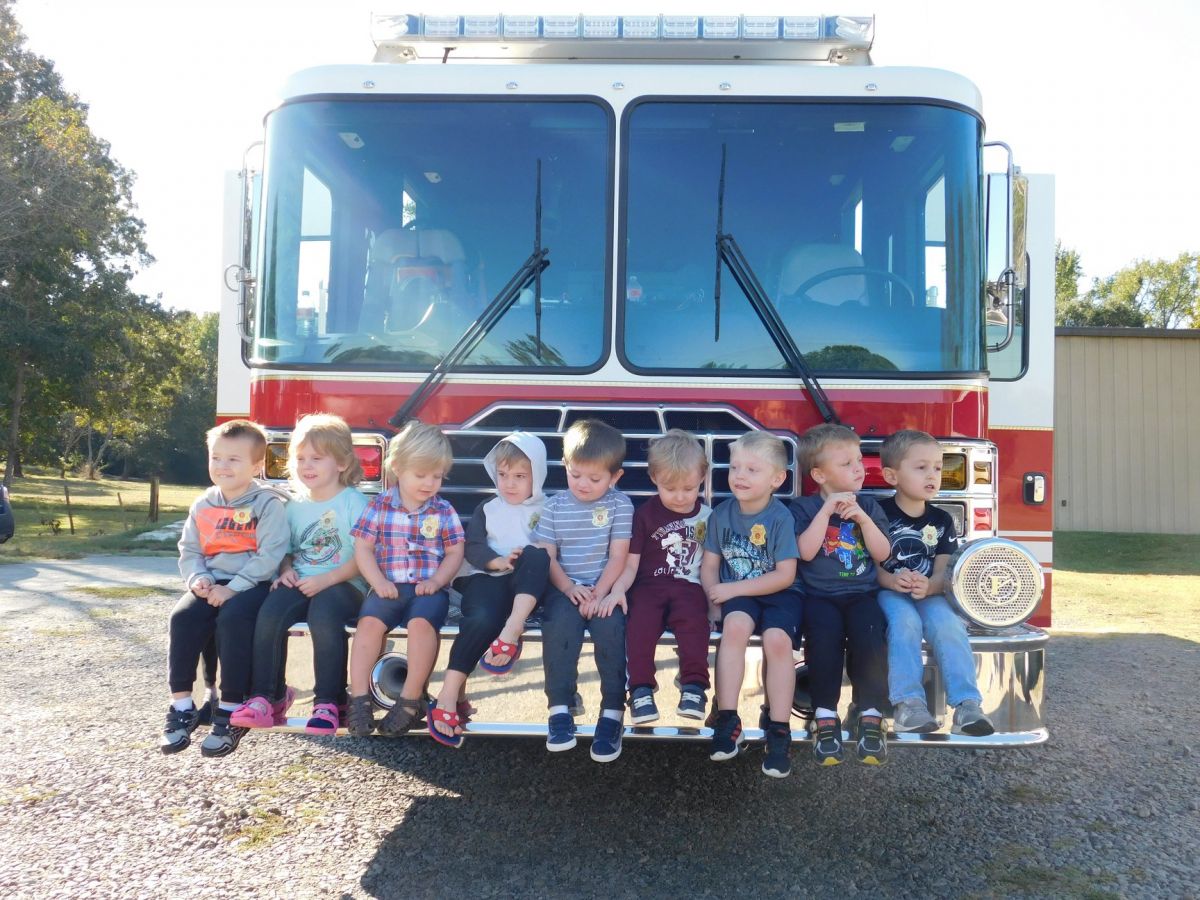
pixel 586 531
pixel 922 538
pixel 841 536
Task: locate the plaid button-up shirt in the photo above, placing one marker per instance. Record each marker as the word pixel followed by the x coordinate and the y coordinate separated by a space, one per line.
pixel 409 546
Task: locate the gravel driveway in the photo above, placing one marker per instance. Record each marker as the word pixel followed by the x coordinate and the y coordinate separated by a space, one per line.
pixel 1110 807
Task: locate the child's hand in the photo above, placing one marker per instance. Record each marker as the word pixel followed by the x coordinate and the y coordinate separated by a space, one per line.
pixel 835 503
pixel 719 593
pixel 847 507
pixel 287 578
pixel 427 587
pixel 714 616
pixel 218 594
pixel 918 585
pixel 386 590
pixel 312 585
pixel 604 607
pixel 500 564
pixel 202 586
pixel 579 594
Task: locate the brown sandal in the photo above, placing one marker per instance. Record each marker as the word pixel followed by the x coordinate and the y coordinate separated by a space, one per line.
pixel 405 714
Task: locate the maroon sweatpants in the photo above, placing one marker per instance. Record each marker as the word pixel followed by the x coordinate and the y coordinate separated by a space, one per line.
pixel 680 606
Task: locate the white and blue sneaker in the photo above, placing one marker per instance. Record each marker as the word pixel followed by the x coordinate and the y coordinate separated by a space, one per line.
pixel 692 702
pixel 606 743
pixel 642 708
pixel 560 732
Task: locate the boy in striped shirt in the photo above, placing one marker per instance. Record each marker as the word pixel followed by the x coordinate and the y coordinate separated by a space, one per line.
pixel 586 531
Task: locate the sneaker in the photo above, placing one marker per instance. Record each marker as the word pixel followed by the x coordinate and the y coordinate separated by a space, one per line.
pixel 606 741
pixel 871 747
pixel 360 719
pixel 710 721
pixel 641 706
pixel 206 712
pixel 560 732
pixel 577 708
pixel 827 741
pixel 969 719
pixel 224 737
pixel 727 736
pixel 778 759
pixel 913 716
pixel 692 702
pixel 177 732
pixel 324 719
pixel 279 708
pixel 254 713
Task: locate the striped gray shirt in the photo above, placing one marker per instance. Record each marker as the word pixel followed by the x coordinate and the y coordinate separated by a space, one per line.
pixel 583 531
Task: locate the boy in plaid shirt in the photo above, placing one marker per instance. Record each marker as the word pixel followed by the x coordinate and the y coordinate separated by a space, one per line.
pixel 408 544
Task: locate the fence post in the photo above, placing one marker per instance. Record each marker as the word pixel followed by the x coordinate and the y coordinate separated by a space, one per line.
pixel 153 498
pixel 70 518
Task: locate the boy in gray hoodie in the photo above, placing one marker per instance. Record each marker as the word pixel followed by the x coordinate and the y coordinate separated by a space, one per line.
pixel 234 539
pixel 501 581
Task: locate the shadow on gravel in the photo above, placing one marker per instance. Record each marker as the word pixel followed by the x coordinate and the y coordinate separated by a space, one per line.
pixel 1105 809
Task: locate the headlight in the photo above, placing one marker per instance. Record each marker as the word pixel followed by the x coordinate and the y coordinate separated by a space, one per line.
pixel 994 582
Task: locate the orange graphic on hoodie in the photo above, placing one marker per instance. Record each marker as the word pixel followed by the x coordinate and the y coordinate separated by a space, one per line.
pixel 223 529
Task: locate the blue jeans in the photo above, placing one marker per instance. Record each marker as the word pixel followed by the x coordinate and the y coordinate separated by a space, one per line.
pixel 562 641
pixel 932 618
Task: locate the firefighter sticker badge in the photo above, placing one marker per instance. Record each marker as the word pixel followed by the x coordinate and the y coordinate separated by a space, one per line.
pixel 758 534
pixel 429 526
pixel 929 536
pixel 328 519
pixel 533 520
pixel 701 531
pixel 241 516
pixel 600 516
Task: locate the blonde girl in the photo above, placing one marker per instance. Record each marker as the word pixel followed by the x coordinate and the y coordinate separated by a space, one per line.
pixel 319 581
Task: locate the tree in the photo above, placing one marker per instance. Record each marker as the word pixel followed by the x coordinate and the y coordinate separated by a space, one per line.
pixel 1068 269
pixel 68 243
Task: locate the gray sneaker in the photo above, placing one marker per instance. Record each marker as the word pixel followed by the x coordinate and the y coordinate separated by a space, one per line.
pixel 913 715
pixel 969 719
pixel 224 738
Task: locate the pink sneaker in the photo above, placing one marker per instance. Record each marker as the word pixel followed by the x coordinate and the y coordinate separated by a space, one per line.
pixel 324 720
pixel 254 713
pixel 279 709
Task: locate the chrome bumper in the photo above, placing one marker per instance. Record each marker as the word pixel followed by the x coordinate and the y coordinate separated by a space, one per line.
pixel 1009 666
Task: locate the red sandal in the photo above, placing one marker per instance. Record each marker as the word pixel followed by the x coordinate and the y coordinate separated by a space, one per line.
pixel 446 717
pixel 512 651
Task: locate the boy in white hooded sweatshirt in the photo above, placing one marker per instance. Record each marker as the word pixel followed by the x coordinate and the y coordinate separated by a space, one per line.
pixel 501 581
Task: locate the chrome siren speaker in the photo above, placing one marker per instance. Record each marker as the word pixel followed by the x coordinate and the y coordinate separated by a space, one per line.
pixel 994 582
pixel 387 679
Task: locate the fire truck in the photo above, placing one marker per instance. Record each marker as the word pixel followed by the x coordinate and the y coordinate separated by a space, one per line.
pixel 715 223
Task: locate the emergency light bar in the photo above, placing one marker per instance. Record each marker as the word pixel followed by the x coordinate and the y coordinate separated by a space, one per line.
pixel 444 38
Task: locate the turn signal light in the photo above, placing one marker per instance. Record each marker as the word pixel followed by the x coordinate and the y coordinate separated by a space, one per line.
pixel 277 454
pixel 954 472
pixel 983 473
pixel 371 460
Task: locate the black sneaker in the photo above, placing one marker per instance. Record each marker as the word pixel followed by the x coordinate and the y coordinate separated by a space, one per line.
pixel 778 759
pixel 727 736
pixel 871 747
pixel 692 702
pixel 827 741
pixel 642 708
pixel 206 711
pixel 177 732
pixel 224 738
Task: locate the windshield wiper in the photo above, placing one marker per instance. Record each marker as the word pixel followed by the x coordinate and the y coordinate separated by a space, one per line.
pixel 729 253
pixel 529 273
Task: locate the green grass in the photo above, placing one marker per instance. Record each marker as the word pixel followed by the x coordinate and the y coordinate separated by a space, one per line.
pixel 1127 554
pixel 102 525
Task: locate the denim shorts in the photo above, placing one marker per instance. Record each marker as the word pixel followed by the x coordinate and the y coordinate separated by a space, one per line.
pixel 780 610
pixel 406 607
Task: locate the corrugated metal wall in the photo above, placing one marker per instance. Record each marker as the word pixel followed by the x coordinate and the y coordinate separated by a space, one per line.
pixel 1127 430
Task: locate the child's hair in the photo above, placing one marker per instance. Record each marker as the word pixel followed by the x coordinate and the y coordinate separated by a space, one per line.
pixel 675 455
pixel 593 441
pixel 329 436
pixel 897 445
pixel 507 453
pixel 765 445
pixel 240 428
pixel 418 443
pixel 820 438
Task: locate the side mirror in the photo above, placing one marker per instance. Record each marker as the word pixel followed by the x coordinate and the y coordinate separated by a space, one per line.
pixel 240 276
pixel 1006 218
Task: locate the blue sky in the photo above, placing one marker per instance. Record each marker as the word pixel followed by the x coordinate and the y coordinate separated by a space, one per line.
pixel 1100 94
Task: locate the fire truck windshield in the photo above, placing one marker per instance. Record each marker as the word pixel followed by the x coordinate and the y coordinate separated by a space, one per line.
pixel 389 224
pixel 860 220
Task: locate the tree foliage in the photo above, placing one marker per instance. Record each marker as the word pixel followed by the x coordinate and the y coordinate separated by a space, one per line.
pixel 1160 293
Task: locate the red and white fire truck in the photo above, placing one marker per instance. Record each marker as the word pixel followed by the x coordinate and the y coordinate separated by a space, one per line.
pixel 714 223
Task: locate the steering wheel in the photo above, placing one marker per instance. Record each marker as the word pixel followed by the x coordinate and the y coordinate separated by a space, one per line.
pixel 830 274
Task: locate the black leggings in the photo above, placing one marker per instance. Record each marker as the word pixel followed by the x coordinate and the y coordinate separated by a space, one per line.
pixel 487 602
pixel 831 626
pixel 194 624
